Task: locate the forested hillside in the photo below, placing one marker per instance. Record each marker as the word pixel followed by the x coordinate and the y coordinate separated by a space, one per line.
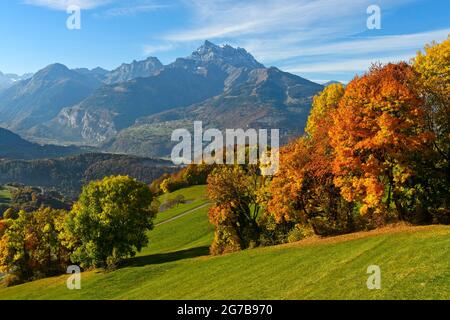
pixel 69 174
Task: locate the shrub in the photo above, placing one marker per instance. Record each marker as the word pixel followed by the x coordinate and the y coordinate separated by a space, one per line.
pixel 299 232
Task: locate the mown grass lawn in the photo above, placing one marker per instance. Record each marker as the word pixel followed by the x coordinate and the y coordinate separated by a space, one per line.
pixel 414 262
pixel 195 196
pixel 5 194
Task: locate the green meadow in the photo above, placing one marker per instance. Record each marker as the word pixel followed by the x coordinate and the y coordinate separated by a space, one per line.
pixel 414 263
pixel 5 194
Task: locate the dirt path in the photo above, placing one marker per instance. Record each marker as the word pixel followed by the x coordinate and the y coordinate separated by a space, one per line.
pixel 183 214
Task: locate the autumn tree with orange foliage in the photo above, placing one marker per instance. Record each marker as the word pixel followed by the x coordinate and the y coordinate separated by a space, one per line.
pixel 303 191
pixel 379 129
pixel 235 210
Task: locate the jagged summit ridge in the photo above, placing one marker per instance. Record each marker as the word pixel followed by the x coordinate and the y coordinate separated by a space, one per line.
pixel 237 57
pixel 136 69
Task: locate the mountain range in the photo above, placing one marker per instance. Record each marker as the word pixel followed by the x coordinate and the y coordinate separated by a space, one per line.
pixel 9 79
pixel 134 108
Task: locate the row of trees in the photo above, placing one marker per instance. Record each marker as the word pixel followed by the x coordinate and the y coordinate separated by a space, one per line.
pixel 191 175
pixel 373 152
pixel 108 223
pixel 30 199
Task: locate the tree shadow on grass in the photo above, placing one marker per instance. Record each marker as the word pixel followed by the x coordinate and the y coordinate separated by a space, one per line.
pixel 167 257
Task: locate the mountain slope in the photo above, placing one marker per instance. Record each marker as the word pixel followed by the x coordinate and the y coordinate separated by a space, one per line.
pixel 69 174
pixel 12 146
pixel 115 107
pixel 38 99
pixel 261 98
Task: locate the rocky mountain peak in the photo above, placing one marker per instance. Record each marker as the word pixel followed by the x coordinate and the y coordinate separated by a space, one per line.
pixel 135 69
pixel 52 72
pixel 225 54
pixel 99 70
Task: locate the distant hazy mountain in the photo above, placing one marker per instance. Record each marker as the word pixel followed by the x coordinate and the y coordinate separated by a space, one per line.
pixel 220 85
pixel 27 103
pixel 136 69
pixel 40 98
pixel 12 146
pixel 126 72
pixel 115 107
pixel 252 97
pixel 326 84
pixel 262 98
pixel 98 73
pixel 9 79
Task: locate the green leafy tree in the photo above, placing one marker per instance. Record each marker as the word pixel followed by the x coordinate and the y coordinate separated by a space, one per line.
pixel 10 213
pixel 110 221
pixel 30 246
pixel 433 68
pixel 13 254
pixel 432 182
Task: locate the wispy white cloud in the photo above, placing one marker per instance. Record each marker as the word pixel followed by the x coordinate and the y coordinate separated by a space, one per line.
pixel 135 8
pixel 348 65
pixel 64 4
pixel 151 49
pixel 227 18
pixel 379 43
pixel 212 32
pixel 325 36
pixel 130 9
pixel 270 50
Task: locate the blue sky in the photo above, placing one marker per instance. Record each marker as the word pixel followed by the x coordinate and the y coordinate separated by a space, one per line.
pixel 317 39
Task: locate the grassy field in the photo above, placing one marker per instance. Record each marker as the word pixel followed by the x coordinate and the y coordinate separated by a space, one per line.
pixel 5 194
pixel 194 196
pixel 414 264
